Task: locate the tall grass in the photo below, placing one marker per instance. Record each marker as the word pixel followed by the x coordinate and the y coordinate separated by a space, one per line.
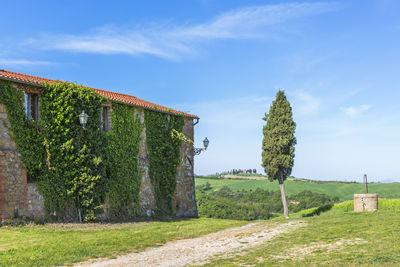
pixel 389 204
pixel 345 206
pixel 348 206
pixel 383 204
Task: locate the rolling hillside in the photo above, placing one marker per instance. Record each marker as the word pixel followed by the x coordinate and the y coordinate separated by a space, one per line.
pixel 342 190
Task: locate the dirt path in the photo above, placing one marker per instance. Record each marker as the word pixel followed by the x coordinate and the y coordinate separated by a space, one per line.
pixel 201 249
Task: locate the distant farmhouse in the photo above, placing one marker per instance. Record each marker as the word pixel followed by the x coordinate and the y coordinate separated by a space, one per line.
pixel 125 174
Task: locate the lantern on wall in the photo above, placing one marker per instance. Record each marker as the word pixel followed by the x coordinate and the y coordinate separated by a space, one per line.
pixel 197 151
pixel 83 118
pixel 205 143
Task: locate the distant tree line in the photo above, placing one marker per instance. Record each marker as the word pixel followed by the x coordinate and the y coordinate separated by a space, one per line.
pixel 238 171
pixel 253 204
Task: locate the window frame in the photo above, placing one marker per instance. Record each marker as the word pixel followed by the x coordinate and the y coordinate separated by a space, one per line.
pixel 105 119
pixel 32 106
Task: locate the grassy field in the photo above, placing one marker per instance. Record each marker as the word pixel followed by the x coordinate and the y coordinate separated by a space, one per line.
pixel 334 238
pixel 64 244
pixel 384 204
pixel 344 191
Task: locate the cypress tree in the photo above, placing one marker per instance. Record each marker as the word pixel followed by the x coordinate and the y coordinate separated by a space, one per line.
pixel 278 143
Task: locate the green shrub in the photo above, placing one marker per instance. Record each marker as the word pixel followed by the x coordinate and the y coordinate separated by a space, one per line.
pixel 222 208
pixel 257 204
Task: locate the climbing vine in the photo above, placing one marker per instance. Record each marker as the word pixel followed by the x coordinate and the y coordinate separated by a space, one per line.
pixel 122 163
pixel 26 133
pixel 163 152
pixel 78 169
pixel 62 158
pixel 74 178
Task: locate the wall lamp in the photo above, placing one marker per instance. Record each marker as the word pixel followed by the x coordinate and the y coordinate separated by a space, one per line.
pixel 83 118
pixel 197 151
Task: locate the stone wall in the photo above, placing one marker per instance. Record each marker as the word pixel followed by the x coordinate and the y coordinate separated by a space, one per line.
pixel 35 201
pixel 147 200
pixel 19 198
pixel 13 180
pixel 184 201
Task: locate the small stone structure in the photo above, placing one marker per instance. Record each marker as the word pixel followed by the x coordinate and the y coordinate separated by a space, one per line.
pixel 365 202
pixel 20 198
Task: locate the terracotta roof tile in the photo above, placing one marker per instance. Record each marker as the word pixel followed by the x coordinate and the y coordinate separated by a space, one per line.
pixel 19 77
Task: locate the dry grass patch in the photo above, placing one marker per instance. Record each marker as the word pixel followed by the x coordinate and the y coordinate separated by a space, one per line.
pixel 334 238
pixel 300 252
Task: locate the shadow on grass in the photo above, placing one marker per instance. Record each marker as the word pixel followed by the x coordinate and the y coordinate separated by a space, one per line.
pixel 318 211
pixel 22 221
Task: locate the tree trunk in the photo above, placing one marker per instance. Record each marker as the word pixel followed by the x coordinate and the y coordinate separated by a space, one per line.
pixel 284 203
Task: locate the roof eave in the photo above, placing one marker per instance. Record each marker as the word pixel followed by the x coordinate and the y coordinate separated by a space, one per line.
pixel 153 109
pixel 20 81
pixel 116 101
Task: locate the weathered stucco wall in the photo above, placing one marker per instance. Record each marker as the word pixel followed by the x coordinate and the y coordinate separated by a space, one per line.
pixel 13 181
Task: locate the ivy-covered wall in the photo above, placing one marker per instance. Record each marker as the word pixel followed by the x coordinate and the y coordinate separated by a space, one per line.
pixel 87 174
pixel 122 163
pixel 163 153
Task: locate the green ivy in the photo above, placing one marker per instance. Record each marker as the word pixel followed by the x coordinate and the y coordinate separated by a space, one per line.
pixel 163 154
pixel 74 154
pixel 76 169
pixel 122 163
pixel 64 159
pixel 26 133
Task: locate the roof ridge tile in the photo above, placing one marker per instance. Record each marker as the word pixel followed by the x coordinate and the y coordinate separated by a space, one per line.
pixel 119 97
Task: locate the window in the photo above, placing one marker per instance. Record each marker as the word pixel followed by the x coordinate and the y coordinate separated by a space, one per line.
pixel 32 106
pixel 105 119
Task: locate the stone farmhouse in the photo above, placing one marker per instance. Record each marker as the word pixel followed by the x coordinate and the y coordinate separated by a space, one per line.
pixel 20 197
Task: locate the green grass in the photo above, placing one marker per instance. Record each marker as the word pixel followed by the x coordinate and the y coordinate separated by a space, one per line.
pixel 334 238
pixel 383 204
pixel 348 206
pixel 65 244
pixel 344 191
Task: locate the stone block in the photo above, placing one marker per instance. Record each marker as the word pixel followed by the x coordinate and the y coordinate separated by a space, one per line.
pixel 365 202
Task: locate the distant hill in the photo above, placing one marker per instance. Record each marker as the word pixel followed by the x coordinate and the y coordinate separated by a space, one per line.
pixel 387 181
pixel 343 190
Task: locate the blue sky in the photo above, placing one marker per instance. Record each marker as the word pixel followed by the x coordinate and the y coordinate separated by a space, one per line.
pixel 338 62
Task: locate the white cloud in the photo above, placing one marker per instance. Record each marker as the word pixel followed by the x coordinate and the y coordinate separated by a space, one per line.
pixel 242 22
pixel 354 111
pixel 22 63
pixel 172 41
pixel 305 103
